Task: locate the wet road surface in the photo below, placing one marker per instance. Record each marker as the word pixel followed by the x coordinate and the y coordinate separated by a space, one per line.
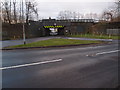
pixel 68 67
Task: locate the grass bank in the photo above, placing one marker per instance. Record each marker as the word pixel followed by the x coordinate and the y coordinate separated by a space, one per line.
pixel 54 42
pixel 95 36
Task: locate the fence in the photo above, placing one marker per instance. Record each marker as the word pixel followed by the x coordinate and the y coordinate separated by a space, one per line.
pixel 113 31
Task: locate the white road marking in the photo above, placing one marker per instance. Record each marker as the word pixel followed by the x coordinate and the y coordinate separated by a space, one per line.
pixel 31 64
pixel 107 52
pixel 103 53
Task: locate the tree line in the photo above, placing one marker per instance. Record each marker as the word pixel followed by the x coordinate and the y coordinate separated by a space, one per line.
pixel 14 11
pixel 18 11
pixel 63 15
pixel 110 14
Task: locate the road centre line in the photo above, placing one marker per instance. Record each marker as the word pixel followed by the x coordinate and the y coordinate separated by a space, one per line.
pixel 31 64
pixel 103 53
pixel 107 52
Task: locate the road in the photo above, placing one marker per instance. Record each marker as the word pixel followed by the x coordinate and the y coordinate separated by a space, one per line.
pixel 67 67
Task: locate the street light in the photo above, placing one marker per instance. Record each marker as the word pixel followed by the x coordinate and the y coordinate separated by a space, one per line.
pixel 24 40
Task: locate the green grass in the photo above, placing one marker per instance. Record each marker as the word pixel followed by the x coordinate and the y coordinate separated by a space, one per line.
pixel 54 42
pixel 96 36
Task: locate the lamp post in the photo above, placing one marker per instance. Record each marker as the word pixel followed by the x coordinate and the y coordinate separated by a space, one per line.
pixel 1 4
pixel 24 39
pixel 118 9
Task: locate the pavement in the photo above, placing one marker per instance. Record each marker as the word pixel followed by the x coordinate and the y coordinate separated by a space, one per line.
pixel 66 67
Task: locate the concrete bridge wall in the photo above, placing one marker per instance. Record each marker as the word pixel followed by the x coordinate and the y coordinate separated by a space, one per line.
pixel 36 28
pixel 70 27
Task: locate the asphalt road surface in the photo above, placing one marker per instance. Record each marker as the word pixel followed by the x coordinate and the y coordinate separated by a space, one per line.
pixel 68 67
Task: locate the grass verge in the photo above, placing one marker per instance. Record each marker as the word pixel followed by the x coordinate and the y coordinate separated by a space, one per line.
pixel 95 36
pixel 54 42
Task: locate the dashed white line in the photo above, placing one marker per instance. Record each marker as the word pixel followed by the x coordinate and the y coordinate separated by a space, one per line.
pixel 103 53
pixel 31 64
pixel 107 52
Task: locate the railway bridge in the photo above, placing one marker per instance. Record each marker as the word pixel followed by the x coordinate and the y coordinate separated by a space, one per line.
pixel 50 26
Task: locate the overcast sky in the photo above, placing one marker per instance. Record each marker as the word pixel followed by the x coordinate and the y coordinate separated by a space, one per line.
pixel 51 8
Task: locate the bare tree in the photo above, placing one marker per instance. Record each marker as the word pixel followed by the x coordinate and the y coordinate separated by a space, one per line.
pixel 1 10
pixel 61 15
pixel 34 9
pixel 118 9
pixel 7 12
pixel 30 9
pixel 107 16
pixel 27 11
pixel 20 10
pixel 64 15
pixel 87 15
pixel 78 15
pixel 14 11
pixel 10 9
pixel 112 13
